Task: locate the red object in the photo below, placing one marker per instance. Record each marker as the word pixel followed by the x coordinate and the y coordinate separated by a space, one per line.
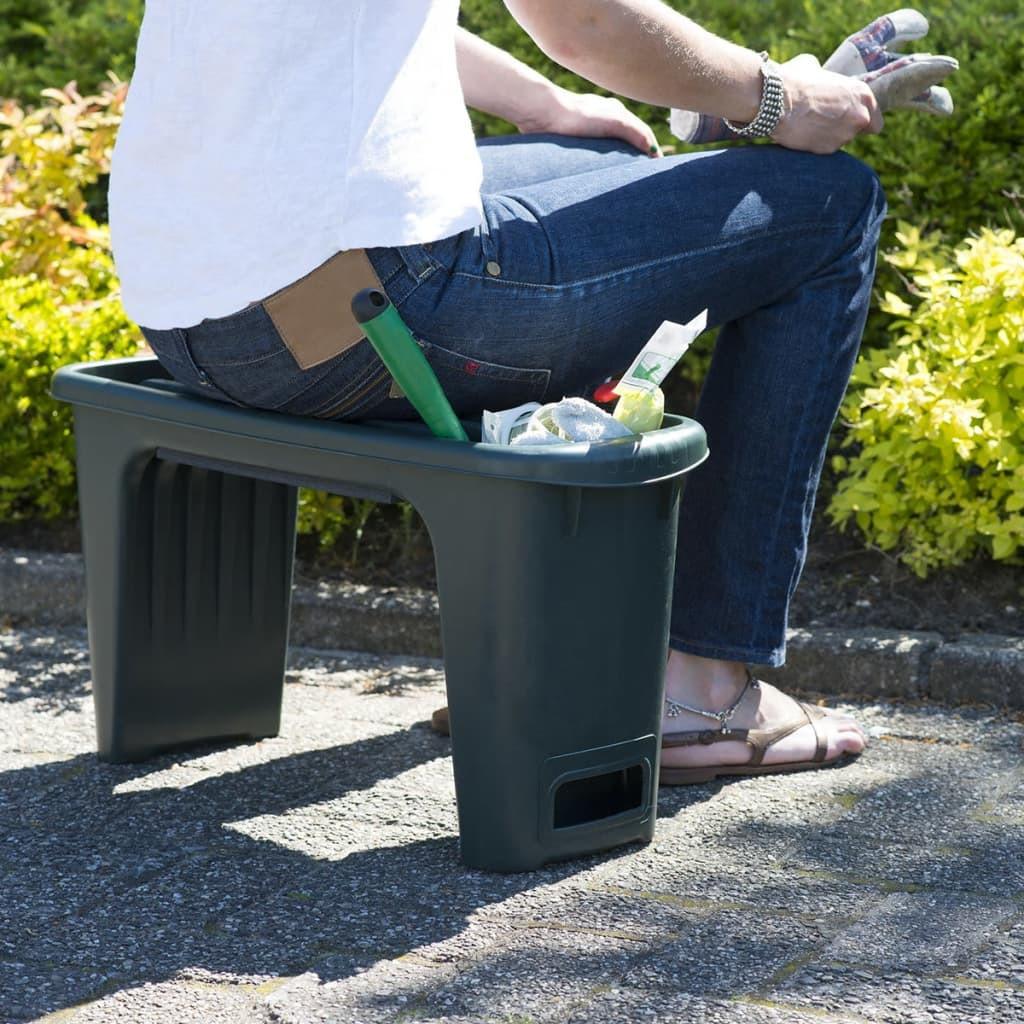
pixel 472 366
pixel 604 393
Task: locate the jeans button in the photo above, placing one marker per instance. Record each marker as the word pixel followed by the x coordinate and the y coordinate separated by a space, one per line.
pixel 492 268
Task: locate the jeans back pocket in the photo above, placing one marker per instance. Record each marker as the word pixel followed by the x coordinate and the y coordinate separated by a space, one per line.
pixel 473 384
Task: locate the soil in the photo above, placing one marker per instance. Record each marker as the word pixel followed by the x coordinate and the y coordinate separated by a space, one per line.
pixel 844 585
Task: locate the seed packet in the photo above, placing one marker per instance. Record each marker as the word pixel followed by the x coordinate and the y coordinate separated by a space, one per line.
pixel 660 354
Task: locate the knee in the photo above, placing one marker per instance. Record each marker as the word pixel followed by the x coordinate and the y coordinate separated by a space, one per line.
pixel 859 191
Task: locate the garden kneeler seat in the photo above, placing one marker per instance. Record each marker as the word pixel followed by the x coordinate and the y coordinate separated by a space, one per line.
pixel 554 570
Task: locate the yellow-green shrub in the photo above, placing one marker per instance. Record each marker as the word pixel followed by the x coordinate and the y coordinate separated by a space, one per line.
pixel 44 325
pixel 936 421
pixel 59 298
pixel 48 159
pixel 60 303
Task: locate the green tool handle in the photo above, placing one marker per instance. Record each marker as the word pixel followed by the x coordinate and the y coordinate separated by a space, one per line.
pixel 388 334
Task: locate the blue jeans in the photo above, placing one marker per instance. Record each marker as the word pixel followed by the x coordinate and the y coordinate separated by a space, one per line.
pixel 585 248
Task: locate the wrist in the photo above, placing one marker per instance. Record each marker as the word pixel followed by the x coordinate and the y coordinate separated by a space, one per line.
pixel 771 107
pixel 535 104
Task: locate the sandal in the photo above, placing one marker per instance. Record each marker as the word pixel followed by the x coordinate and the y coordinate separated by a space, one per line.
pixel 759 740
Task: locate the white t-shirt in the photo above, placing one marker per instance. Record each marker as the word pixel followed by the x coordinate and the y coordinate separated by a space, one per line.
pixel 261 137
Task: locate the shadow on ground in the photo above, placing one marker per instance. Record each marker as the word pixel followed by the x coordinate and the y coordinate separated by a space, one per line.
pixel 317 876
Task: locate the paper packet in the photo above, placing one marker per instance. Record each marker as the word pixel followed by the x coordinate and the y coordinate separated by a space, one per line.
pixel 665 348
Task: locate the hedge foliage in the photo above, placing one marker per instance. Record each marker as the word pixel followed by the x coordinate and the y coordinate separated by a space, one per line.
pixel 58 292
pixel 952 175
pixel 49 42
pixel 928 465
pixel 936 420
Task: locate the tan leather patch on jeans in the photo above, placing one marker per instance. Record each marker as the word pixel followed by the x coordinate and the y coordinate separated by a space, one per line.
pixel 314 314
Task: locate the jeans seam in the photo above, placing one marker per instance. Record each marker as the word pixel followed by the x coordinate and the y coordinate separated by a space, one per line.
pixel 247 362
pixel 204 379
pixel 634 268
pixel 359 380
pixel 771 547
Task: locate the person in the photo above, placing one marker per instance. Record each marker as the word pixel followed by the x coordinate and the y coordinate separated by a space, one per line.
pixel 274 156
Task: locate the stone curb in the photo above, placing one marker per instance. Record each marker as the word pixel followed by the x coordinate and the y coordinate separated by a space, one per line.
pixel 42 589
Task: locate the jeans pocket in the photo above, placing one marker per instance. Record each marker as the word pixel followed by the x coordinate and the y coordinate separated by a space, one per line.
pixel 347 384
pixel 474 384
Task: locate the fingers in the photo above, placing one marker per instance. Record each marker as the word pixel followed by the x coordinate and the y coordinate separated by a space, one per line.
pixel 906 82
pixel 622 123
pixel 904 25
pixel 877 121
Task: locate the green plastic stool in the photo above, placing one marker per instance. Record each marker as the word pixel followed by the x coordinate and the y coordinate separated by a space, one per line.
pixel 554 570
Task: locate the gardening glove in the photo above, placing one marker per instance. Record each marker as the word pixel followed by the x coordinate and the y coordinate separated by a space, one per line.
pixel 571 419
pixel 898 80
pixel 906 81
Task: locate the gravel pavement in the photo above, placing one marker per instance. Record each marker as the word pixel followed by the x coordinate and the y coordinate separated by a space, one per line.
pixel 315 876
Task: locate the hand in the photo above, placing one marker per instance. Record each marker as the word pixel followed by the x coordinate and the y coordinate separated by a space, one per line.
pixel 899 81
pixel 591 116
pixel 823 110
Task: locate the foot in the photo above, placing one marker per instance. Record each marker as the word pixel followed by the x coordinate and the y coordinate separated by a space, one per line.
pixel 714 685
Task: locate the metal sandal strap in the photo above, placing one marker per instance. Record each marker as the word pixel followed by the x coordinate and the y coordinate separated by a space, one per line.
pixel 674 708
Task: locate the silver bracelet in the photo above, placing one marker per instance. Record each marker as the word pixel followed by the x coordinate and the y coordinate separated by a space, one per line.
pixel 772 103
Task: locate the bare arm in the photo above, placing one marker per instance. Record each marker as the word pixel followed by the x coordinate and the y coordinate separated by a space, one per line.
pixel 645 50
pixel 496 83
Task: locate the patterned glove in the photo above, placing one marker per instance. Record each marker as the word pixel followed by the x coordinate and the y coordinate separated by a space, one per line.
pixel 907 81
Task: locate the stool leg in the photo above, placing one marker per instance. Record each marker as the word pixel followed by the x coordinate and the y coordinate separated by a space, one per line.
pixel 554 612
pixel 188 582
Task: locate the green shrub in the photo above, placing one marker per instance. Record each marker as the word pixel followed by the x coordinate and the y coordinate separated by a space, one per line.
pixel 953 174
pixel 50 42
pixel 45 325
pixel 935 422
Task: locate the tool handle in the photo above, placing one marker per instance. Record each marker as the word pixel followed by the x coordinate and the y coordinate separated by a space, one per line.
pixel 388 334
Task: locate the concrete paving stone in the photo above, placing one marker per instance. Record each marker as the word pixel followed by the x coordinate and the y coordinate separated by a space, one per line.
pixel 572 904
pixel 978 668
pixel 239 908
pixel 637 1006
pixel 343 992
pixel 41 587
pixel 1005 803
pixel 729 954
pixel 539 975
pixel 364 673
pixel 865 662
pixel 892 866
pixel 978 726
pixel 331 850
pixel 893 997
pixel 922 931
pixel 51 664
pixel 33 725
pixel 328 613
pixel 736 852
pixel 50 880
pixel 1001 958
pixel 177 1002
pixel 28 991
pixel 414 898
pixel 414 805
pixel 934 791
